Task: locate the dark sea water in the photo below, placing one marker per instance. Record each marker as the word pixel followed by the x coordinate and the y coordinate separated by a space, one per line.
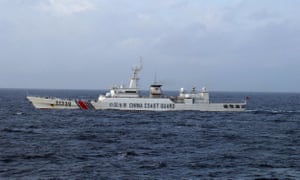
pixel 263 142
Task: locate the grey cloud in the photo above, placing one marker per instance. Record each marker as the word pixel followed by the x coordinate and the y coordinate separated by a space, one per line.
pixel 216 44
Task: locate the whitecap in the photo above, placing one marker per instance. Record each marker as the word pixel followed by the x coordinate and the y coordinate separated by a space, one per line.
pixel 19 113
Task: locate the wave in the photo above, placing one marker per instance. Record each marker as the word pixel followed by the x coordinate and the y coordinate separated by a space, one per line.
pixel 18 130
pixel 270 111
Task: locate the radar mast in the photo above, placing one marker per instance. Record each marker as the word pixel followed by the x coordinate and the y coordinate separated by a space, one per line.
pixel 134 78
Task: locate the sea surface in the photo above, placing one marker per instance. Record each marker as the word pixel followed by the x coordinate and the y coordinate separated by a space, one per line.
pixel 263 142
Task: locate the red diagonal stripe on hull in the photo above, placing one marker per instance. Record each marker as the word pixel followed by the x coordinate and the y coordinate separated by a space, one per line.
pixel 82 105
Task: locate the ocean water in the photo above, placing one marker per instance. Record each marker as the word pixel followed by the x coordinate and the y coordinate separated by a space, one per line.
pixel 263 142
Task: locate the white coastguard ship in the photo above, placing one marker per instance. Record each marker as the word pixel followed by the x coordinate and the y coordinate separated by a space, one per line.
pixel 129 98
pixel 121 98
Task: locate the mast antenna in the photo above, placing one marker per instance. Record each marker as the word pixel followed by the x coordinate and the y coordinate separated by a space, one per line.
pixel 134 77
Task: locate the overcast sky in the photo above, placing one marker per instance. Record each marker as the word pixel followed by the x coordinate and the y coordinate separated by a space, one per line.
pixel 225 45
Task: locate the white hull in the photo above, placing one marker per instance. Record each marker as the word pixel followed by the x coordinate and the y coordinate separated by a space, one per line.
pixel 163 104
pixel 52 103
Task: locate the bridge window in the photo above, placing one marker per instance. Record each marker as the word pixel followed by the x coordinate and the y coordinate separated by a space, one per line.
pixel 131 92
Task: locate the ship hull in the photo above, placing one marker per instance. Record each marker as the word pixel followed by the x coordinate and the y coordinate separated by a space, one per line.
pixel 163 104
pixel 133 104
pixel 52 103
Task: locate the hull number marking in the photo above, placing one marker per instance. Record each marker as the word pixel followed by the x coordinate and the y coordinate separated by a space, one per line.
pixel 63 103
